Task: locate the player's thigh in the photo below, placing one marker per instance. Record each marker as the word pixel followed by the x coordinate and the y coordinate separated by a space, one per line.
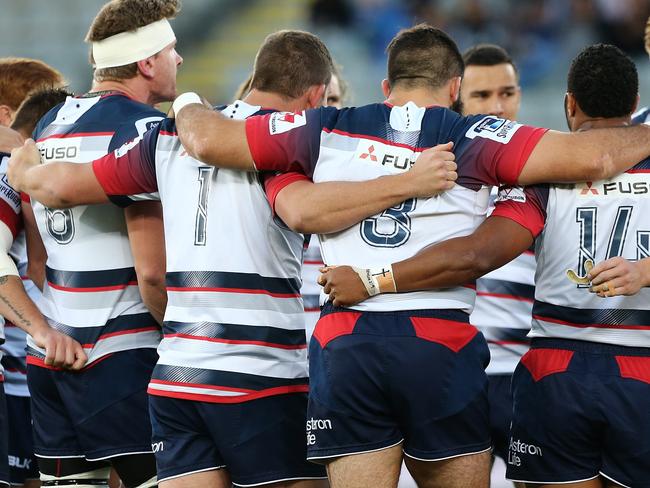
pixel 216 478
pixel 460 472
pixel 379 469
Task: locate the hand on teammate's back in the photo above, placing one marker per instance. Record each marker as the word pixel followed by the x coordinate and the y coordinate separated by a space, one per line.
pixel 9 139
pixel 61 351
pixel 618 276
pixel 343 285
pixel 434 171
pixel 22 159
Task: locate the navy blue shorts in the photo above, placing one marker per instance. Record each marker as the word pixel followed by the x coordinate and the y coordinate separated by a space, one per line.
pixel 581 410
pixel 500 400
pixel 381 378
pixel 98 413
pixel 260 441
pixel 22 463
pixel 4 427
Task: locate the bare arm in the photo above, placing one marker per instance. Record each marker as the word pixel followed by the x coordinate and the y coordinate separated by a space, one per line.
pixel 17 307
pixel 586 156
pixel 36 253
pixel 453 262
pixel 147 240
pixel 333 206
pixel 216 140
pixel 55 185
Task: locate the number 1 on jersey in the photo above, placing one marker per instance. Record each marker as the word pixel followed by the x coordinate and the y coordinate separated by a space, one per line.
pixel 201 223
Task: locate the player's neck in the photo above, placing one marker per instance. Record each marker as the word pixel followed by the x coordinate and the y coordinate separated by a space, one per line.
pixel 422 97
pixel 273 100
pixel 131 88
pixel 602 123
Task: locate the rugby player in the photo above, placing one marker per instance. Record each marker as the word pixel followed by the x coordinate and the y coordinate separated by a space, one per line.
pixel 502 311
pixel 643 115
pixel 371 396
pixel 234 352
pixel 18 78
pixel 85 423
pixel 581 392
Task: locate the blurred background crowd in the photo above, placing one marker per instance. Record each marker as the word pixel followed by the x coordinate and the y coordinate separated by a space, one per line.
pixel 218 38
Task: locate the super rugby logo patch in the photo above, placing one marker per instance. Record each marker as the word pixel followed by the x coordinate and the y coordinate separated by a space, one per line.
pixel 493 128
pixel 280 122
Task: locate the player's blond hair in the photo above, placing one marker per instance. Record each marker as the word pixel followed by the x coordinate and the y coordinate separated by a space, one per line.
pixel 21 76
pixel 119 16
pixel 647 36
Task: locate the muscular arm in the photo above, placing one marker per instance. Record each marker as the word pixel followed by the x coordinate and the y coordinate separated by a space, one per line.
pixel 450 263
pixel 322 208
pixel 17 307
pixel 586 156
pixel 147 240
pixel 36 253
pixel 216 140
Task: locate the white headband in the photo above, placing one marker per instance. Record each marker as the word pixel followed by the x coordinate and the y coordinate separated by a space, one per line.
pixel 129 47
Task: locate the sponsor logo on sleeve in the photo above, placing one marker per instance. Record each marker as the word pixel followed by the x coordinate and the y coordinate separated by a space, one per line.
pixel 514 193
pixel 280 122
pixel 493 128
pixel 143 125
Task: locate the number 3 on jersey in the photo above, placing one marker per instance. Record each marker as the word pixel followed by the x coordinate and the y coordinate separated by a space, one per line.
pixel 392 228
pixel 60 225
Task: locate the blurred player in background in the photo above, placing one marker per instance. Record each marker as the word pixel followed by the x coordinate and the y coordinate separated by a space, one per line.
pixel 643 115
pixel 19 77
pixel 97 280
pixel 249 351
pixel 504 297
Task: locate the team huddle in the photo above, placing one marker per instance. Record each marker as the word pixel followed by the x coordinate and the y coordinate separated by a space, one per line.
pixel 484 283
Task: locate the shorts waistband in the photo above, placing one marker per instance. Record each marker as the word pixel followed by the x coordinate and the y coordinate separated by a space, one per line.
pixel 454 315
pixel 586 346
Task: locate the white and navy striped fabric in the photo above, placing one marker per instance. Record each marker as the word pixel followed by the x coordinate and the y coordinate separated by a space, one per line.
pixel 91 291
pixel 234 325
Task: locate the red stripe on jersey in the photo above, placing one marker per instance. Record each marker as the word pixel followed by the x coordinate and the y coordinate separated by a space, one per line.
pixel 636 368
pixel 312 309
pixel 167 133
pixel 504 295
pixel 373 138
pixel 234 290
pixel 10 218
pixel 77 134
pixel 543 362
pixel 94 289
pixel 451 334
pixel 318 262
pixel 34 361
pixel 238 341
pixel 279 390
pixel 334 325
pixel 584 326
pixel 120 333
pixel 638 171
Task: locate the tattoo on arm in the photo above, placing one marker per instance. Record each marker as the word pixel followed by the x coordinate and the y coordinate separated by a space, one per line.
pixel 23 320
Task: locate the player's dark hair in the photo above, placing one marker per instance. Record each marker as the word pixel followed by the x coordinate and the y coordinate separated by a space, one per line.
pixel 291 61
pixel 119 16
pixel 423 56
pixel 604 81
pixel 488 55
pixel 35 106
pixel 20 76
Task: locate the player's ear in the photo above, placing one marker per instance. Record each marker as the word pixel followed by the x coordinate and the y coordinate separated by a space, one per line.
pixel 316 96
pixel 385 87
pixel 454 90
pixel 636 104
pixel 146 67
pixel 570 104
pixel 6 115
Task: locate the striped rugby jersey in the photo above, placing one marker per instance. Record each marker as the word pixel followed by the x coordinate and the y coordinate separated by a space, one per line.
pixel 362 143
pixel 642 116
pixel 310 289
pixel 10 216
pixel 596 221
pixel 503 309
pixel 234 325
pixel 91 292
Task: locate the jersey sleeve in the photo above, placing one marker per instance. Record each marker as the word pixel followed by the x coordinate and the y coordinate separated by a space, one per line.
pixel 285 141
pixel 494 151
pixel 275 183
pixel 128 174
pixel 523 205
pixel 9 201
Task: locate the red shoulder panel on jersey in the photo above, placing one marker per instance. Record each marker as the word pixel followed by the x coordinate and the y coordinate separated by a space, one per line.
pixel 276 183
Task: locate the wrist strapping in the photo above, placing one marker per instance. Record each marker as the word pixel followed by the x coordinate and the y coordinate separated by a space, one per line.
pixel 377 280
pixel 183 99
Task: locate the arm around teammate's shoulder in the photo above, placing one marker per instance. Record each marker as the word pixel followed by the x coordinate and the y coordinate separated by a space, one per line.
pixel 591 155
